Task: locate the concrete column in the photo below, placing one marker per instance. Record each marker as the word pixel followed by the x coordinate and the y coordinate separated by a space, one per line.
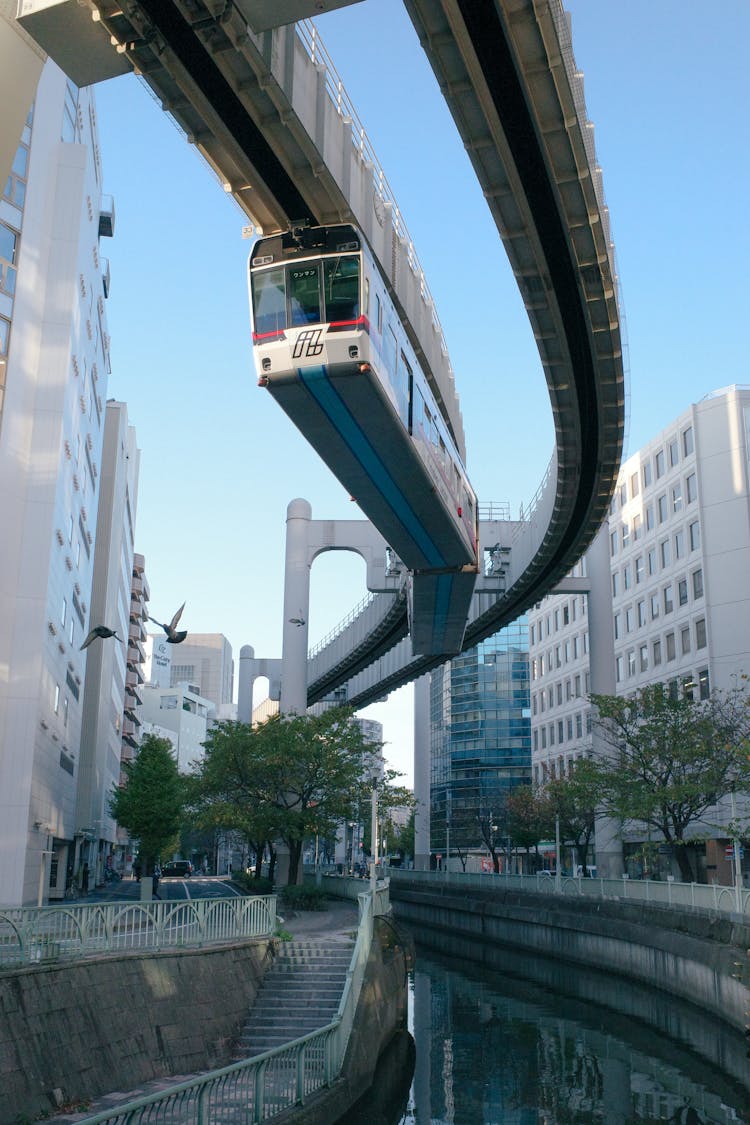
pixel 296 609
pixel 422 772
pixel 245 684
pixel 602 666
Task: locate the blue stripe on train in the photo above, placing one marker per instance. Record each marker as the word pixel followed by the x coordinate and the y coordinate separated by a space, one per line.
pixel 316 380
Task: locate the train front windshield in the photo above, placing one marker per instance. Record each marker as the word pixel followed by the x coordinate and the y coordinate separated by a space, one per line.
pixel 318 292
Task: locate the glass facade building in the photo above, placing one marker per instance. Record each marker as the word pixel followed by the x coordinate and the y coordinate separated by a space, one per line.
pixel 480 737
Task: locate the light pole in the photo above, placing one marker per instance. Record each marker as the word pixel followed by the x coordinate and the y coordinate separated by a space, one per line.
pixel 558 885
pixel 374 830
pixel 737 858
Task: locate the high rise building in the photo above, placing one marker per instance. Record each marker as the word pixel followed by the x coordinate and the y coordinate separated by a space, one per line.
pixel 205 660
pixel 675 588
pixel 480 739
pixel 54 364
pixel 104 724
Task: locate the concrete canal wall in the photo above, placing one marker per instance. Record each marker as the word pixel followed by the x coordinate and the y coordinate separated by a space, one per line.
pixel 76 1030
pixel 699 958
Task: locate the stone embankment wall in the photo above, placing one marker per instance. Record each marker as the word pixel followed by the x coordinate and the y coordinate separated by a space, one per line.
pixel 704 959
pixel 76 1030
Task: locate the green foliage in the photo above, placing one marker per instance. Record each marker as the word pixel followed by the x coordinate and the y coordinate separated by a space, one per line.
pixel 672 758
pixel 527 817
pixel 252 885
pixel 403 838
pixel 575 801
pixel 151 803
pixel 304 897
pixel 289 778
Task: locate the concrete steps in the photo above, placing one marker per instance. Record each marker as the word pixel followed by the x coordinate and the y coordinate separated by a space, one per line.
pixel 300 994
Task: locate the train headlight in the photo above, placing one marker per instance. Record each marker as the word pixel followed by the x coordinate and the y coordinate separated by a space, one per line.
pixel 353 351
pixel 266 363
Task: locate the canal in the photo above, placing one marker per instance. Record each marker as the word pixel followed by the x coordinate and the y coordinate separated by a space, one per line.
pixel 540 1043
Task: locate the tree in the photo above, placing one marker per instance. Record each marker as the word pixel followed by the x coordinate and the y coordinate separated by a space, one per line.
pixel 390 797
pixel 574 800
pixel 290 778
pixel 673 758
pixel 151 802
pixel 403 841
pixel 528 817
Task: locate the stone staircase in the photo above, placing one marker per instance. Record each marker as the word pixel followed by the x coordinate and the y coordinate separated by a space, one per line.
pixel 300 993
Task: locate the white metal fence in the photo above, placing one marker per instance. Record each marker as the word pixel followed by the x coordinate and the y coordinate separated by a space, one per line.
pixel 259 1088
pixel 29 935
pixel 695 896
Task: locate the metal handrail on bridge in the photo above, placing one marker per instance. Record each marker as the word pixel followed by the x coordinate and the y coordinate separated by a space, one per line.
pixel 262 1087
pixel 706 898
pixel 30 935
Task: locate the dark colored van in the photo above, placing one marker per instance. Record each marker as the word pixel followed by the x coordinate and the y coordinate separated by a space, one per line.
pixel 181 868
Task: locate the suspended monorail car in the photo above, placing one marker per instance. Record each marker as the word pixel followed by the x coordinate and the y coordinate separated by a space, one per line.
pixel 331 349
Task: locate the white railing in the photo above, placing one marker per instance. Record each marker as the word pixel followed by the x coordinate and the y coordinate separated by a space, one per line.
pixel 692 896
pixel 29 935
pixel 264 1086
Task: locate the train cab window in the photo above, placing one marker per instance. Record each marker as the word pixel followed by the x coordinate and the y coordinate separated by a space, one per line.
pixel 341 276
pixel 303 283
pixel 269 302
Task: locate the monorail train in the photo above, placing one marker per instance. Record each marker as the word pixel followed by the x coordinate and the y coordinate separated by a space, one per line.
pixel 331 349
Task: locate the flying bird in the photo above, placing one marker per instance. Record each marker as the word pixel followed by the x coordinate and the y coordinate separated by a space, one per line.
pixel 174 637
pixel 298 621
pixel 100 631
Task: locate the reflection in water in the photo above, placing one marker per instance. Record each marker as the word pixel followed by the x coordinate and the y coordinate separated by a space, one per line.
pixel 496 1049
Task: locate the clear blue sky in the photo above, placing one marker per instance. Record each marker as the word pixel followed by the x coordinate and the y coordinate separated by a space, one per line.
pixel 667 88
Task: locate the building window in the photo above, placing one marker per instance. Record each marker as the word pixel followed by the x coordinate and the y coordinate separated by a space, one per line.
pixel 679 545
pixel 673 690
pixel 8 259
pixel 56 699
pixel 688 444
pixel 617 626
pixel 560 738
pixel 629 619
pixel 695 535
pixel 664 553
pixel 654 606
pixel 656 651
pixel 615 585
pixel 569 725
pixel 674 453
pixel 682 591
pixel 65 711
pixel 643 657
pixel 685 639
pixel 63 612
pixel 660 464
pixel 641 607
pixel 676 498
pixel 577 687
pixel 703 686
pixel 662 507
pixel 637 527
pixel 623 495
pixel 631 663
pixel 700 633
pixel 698 583
pixel 634 485
pixel 646 473
pixel 668 600
pixel 626 581
pixel 650 517
pixel 625 536
pixel 639 569
pixel 671 649
pixel 652 561
pixel 691 489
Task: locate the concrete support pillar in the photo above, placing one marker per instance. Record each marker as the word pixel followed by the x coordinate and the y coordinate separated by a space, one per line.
pixel 422 772
pixel 601 663
pixel 296 609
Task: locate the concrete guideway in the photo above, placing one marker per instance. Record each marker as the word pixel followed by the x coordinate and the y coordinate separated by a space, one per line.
pixel 259 105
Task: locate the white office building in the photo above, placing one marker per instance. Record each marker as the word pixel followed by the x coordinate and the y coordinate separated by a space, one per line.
pixel 107 660
pixel 675 592
pixel 54 365
pixel 181 714
pixel 205 660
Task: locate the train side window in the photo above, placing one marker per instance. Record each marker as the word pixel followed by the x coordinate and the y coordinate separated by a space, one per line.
pixel 269 302
pixel 341 279
pixel 390 351
pixel 379 312
pixel 303 284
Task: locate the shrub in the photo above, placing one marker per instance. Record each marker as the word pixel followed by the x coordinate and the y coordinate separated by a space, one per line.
pixel 252 886
pixel 302 897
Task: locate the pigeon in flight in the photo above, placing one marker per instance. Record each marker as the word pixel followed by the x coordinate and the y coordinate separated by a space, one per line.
pixel 174 637
pixel 100 631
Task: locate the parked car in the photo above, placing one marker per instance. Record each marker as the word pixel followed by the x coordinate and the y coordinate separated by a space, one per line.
pixel 181 868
